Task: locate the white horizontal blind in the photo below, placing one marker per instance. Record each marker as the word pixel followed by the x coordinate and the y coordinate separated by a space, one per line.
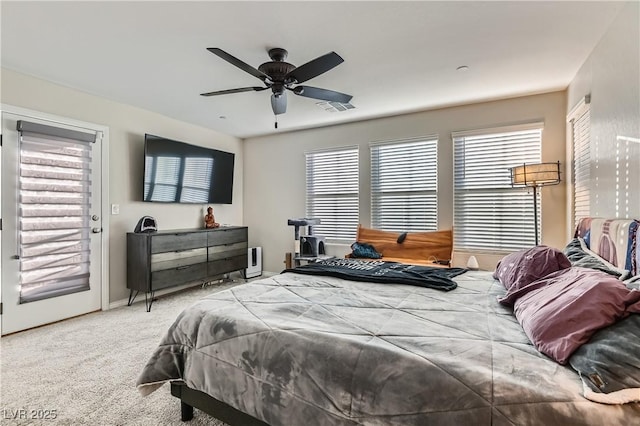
pixel 196 179
pixel 54 203
pixel 489 214
pixel 332 192
pixel 170 174
pixel 403 185
pixel 580 127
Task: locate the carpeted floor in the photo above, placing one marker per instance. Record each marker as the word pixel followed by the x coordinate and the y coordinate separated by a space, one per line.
pixel 85 368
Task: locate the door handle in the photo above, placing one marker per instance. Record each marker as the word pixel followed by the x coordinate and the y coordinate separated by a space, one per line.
pixel 96 230
pixel 95 217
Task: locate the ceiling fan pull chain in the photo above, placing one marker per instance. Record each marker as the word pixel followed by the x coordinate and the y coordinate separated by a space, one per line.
pixel 276 119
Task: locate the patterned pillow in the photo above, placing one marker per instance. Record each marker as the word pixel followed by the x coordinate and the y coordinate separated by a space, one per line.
pixel 579 254
pixel 615 240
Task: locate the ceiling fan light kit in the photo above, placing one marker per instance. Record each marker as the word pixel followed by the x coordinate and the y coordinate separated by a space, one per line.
pixel 280 76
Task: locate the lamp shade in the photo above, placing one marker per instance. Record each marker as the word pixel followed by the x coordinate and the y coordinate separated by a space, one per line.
pixel 539 174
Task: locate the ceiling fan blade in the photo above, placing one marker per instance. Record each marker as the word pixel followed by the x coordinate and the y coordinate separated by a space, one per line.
pixel 324 94
pixel 315 67
pixel 279 103
pixel 241 89
pixel 238 63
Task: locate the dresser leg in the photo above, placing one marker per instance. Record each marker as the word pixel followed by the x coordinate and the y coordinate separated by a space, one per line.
pixel 148 301
pixel 134 297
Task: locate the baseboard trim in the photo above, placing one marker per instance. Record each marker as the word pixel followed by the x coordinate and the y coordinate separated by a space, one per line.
pixel 118 303
pixel 140 297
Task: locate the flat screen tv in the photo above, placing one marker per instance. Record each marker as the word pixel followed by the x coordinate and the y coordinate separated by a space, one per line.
pixel 177 172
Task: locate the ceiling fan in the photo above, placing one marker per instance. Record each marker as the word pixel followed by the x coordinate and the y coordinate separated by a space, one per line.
pixel 280 76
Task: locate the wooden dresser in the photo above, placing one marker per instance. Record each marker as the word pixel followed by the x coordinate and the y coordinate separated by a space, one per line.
pixel 164 259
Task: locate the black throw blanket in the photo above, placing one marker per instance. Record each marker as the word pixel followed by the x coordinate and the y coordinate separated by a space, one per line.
pixel 383 272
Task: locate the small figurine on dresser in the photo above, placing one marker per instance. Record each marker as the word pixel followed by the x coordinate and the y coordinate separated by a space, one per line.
pixel 210 220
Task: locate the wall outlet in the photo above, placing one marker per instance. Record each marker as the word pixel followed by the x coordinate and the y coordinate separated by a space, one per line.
pixel 115 208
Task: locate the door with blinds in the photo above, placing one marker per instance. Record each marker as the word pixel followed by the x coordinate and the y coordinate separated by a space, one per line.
pixel 51 222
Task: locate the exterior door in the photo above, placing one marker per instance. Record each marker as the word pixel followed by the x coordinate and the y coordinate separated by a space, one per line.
pixel 51 221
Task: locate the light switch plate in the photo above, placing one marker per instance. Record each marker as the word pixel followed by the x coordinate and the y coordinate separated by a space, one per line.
pixel 115 208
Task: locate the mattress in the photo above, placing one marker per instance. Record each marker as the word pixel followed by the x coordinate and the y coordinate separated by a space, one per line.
pixel 297 349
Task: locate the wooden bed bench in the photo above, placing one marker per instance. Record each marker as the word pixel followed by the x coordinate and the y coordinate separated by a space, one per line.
pixel 432 248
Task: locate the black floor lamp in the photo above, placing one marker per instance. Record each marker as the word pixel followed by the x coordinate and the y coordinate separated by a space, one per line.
pixel 535 176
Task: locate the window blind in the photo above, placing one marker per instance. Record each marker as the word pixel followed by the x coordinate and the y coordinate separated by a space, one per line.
pixel 490 214
pixel 404 184
pixel 580 129
pixel 191 176
pixel 53 211
pixel 332 192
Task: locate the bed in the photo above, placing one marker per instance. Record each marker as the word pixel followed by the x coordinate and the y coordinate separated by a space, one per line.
pixel 299 348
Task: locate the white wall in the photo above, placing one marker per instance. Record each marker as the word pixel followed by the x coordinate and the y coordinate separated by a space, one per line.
pixel 275 171
pixel 611 75
pixel 271 169
pixel 127 126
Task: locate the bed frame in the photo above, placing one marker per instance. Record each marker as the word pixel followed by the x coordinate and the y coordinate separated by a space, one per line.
pixel 190 399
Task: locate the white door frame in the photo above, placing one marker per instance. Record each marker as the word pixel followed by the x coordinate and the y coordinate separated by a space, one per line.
pixel 28 113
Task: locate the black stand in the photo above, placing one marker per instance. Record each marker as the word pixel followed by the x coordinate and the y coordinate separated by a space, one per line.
pixel 535 212
pixel 297 223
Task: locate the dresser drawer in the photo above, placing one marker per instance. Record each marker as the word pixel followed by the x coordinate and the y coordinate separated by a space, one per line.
pixel 222 266
pixel 175 259
pixel 226 236
pixel 176 276
pixel 227 250
pixel 178 241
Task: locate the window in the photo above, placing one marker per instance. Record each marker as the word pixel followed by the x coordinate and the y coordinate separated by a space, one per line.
pixel 332 192
pixel 403 185
pixel 580 122
pixel 489 214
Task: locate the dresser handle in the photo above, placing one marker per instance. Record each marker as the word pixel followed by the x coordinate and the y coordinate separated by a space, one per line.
pixel 183 267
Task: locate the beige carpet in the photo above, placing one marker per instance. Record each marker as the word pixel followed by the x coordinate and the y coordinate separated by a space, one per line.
pixel 85 368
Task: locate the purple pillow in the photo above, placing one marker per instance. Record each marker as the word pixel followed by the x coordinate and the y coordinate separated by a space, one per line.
pixel 523 267
pixel 560 317
pixel 517 292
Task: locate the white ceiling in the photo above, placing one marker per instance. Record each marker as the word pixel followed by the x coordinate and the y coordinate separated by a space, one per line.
pixel 399 56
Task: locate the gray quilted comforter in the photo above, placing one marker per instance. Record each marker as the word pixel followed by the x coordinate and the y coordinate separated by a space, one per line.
pixel 306 350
